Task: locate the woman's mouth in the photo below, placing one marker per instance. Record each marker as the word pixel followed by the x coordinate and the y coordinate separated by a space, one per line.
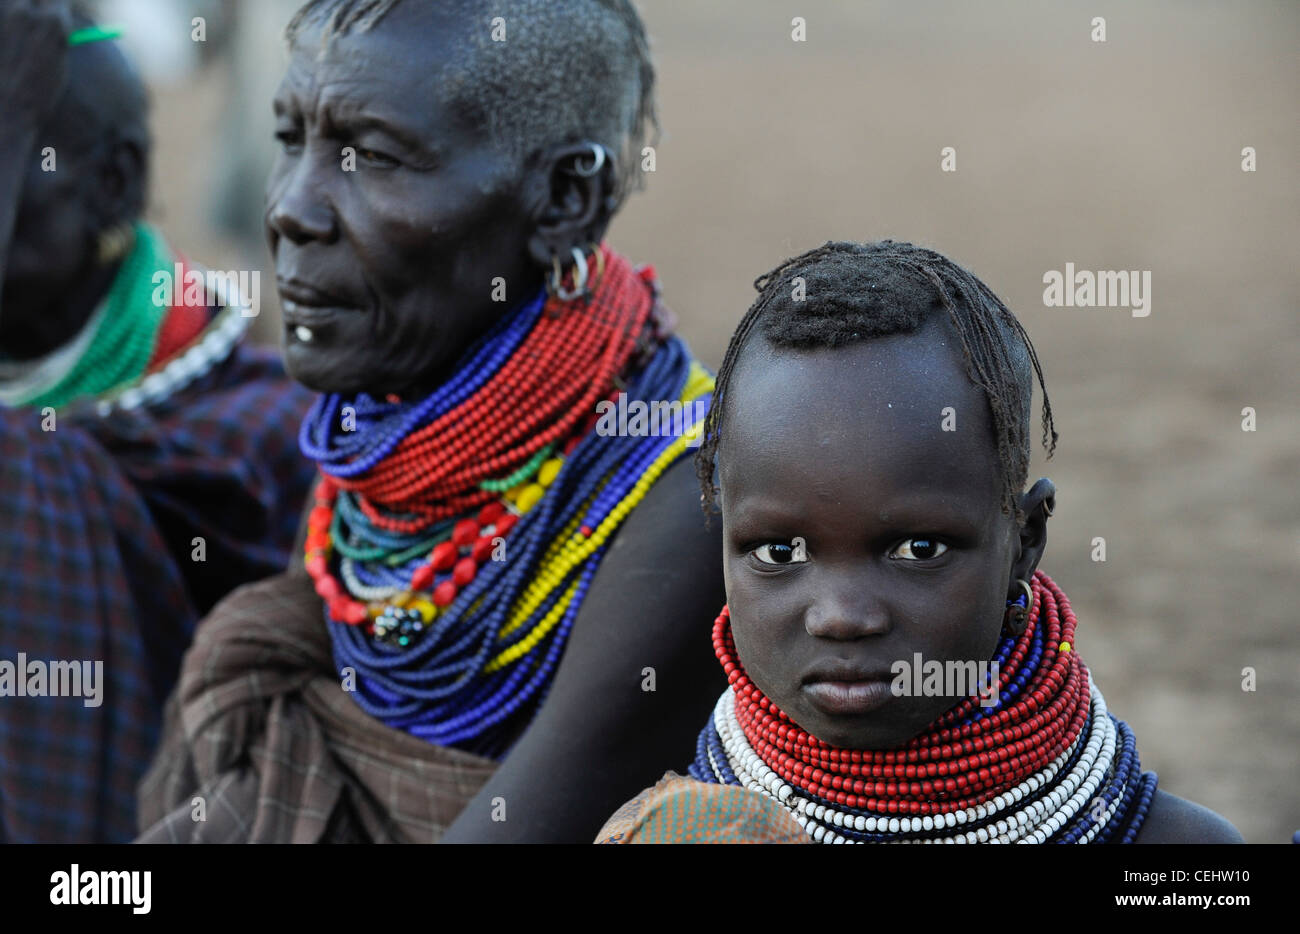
pixel 307 311
pixel 304 321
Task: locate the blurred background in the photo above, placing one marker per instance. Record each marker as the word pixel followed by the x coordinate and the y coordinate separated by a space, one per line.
pixel 1123 154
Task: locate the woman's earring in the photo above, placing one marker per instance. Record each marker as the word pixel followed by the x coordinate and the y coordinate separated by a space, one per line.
pixel 113 243
pixel 1016 620
pixel 599 256
pixel 597 161
pixel 579 277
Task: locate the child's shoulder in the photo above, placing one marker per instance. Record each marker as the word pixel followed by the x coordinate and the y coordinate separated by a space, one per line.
pixel 1175 820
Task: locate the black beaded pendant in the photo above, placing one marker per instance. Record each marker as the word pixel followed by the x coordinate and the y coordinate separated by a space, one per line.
pixel 400 627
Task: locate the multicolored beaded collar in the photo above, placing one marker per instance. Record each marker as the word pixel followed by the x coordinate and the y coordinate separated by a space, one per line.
pixel 453 538
pixel 1046 764
pixel 132 351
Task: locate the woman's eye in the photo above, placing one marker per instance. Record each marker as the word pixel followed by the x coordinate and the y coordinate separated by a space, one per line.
pixel 793 552
pixel 376 158
pixel 919 549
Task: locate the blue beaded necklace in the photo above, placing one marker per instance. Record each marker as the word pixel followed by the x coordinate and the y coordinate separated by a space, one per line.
pixel 475 673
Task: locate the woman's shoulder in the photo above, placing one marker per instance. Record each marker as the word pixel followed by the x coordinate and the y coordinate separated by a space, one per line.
pixel 283 607
pixel 680 809
pixel 671 510
pixel 1175 820
pixel 664 566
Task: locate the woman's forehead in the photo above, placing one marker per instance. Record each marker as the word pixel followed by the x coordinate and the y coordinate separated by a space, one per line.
pixel 415 24
pixel 412 47
pixel 409 86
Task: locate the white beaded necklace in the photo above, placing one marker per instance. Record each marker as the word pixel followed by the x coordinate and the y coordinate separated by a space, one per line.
pixel 196 362
pixel 1035 822
pixel 362 591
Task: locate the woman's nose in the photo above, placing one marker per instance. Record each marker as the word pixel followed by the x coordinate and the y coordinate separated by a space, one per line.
pixel 299 209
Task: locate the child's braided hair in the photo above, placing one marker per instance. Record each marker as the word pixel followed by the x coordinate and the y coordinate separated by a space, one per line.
pixel 856 291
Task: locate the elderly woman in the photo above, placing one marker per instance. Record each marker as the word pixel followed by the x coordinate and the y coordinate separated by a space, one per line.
pixel 146 458
pixel 500 624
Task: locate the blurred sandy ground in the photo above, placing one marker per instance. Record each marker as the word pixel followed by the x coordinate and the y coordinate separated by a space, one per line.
pixel 1122 155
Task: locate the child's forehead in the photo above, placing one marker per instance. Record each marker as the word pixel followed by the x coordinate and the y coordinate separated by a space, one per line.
pixel 912 370
pixel 895 406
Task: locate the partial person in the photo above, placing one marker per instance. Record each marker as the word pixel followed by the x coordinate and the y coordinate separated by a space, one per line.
pixel 900 669
pixel 496 630
pixel 147 456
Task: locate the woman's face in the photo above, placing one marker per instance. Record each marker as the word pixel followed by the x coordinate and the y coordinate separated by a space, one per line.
pixel 84 173
pixel 52 247
pixel 839 457
pixel 390 219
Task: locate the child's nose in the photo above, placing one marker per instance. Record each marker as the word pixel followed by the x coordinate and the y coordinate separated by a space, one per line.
pixel 845 612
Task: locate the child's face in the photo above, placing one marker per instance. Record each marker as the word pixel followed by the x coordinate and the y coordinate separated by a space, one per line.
pixel 906 547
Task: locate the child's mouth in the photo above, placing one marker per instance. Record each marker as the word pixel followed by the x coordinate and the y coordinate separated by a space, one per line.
pixel 848 698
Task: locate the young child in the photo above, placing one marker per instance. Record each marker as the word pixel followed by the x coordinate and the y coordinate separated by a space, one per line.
pixel 899 668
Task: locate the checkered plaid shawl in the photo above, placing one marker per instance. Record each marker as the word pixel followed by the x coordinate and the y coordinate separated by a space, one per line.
pixel 97 525
pixel 681 810
pixel 261 730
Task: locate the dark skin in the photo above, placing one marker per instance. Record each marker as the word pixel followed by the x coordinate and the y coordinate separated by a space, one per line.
pixel 399 258
pixel 392 265
pixel 50 221
pixel 906 546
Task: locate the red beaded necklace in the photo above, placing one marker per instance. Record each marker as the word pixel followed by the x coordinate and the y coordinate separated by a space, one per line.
pixel 957 762
pixel 539 397
pixel 543 396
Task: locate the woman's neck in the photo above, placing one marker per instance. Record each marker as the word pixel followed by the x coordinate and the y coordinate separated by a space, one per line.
pixel 35 323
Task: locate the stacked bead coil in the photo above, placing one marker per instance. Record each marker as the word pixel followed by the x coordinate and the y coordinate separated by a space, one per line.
pixel 141 352
pixel 1046 763
pixel 185 366
pixel 453 538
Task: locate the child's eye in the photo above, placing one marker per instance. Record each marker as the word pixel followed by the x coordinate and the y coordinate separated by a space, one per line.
pixel 794 552
pixel 918 549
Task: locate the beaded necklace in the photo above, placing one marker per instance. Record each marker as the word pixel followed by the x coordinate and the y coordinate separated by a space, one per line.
pixel 124 334
pixel 453 538
pixel 134 351
pixel 1047 763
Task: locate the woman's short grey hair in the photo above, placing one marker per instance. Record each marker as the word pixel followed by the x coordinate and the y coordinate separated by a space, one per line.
pixel 566 71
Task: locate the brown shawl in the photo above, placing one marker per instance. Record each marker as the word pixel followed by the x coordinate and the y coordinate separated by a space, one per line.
pixel 262 731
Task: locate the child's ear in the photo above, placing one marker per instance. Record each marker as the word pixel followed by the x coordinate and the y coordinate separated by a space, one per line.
pixel 1037 504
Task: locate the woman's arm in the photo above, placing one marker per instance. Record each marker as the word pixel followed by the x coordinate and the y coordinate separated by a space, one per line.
pixel 600 737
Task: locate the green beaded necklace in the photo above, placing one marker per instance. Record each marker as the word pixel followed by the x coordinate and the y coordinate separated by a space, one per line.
pixel 125 332
pixel 520 475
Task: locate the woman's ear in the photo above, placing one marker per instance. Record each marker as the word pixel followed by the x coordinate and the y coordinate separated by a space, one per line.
pixel 116 184
pixel 1037 504
pixel 574 199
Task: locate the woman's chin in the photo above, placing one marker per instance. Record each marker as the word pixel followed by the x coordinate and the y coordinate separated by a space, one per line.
pixel 322 370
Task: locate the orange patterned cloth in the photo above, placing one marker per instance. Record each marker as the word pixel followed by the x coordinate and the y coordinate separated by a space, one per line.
pixel 682 810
